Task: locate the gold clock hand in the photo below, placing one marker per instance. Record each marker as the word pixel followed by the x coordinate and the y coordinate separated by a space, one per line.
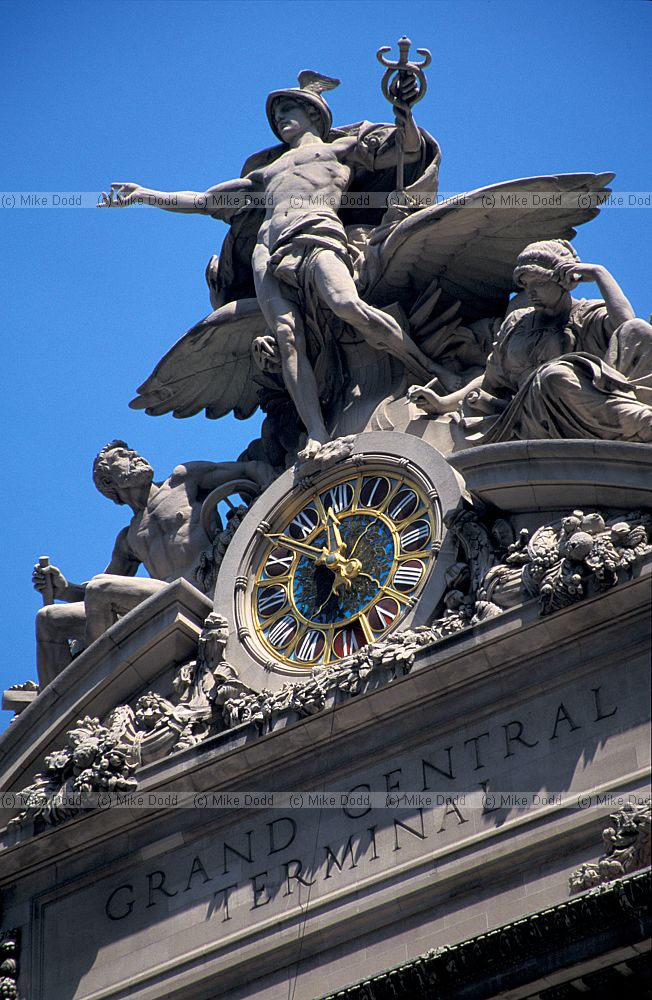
pixel 292 543
pixel 359 538
pixel 324 603
pixel 335 543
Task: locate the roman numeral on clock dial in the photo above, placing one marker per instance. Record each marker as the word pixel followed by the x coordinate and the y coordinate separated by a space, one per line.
pixel 408 575
pixel 281 633
pixel 349 640
pixel 304 523
pixel 416 536
pixel 403 504
pixel 310 645
pixel 270 600
pixel 339 497
pixel 279 562
pixel 375 490
pixel 383 614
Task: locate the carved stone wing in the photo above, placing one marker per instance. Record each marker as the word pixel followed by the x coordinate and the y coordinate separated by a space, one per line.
pixel 210 368
pixel 468 244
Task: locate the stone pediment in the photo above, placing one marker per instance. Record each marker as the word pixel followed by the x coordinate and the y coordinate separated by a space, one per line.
pixel 137 654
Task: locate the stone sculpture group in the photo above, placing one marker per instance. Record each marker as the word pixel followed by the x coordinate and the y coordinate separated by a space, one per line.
pixel 391 309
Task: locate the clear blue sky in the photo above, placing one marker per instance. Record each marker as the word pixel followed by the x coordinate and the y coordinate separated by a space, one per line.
pixel 171 95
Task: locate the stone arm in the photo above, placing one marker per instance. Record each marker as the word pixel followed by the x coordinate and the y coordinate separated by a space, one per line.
pixel 123 563
pixel 208 202
pixel 427 398
pixel 386 155
pixel 62 588
pixel 206 476
pixel 618 306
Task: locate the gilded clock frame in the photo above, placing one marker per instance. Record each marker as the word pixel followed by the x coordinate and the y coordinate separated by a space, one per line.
pixel 396 454
pixel 358 620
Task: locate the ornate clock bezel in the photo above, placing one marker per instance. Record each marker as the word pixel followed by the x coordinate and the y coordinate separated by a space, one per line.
pixel 394 452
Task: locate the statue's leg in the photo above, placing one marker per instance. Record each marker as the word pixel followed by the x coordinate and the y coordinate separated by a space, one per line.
pixel 55 624
pixel 107 597
pixel 630 351
pixel 337 290
pixel 285 321
pixel 567 403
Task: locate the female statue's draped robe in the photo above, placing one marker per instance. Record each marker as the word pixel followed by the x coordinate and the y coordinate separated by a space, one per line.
pixel 543 382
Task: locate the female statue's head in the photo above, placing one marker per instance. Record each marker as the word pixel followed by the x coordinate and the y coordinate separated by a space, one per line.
pixel 538 269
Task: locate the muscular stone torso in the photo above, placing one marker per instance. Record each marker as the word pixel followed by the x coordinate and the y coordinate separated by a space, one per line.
pixel 167 537
pixel 304 183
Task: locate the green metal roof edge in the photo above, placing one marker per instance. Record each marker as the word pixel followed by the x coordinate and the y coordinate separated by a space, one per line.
pixel 580 917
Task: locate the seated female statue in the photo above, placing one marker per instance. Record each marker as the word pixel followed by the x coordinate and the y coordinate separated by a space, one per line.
pixel 559 367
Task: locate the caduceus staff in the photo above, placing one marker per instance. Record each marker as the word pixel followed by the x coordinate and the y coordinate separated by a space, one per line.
pixel 404 84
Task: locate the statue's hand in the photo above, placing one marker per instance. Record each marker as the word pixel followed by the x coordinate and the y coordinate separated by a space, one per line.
pixel 120 196
pixel 426 399
pixel 570 274
pixel 213 280
pixel 212 273
pixel 44 576
pixel 408 90
pixel 266 354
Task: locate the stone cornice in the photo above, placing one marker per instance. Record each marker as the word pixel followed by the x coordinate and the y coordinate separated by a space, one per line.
pixel 462 670
pixel 589 924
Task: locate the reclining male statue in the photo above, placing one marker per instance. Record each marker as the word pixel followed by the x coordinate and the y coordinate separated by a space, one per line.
pixel 165 535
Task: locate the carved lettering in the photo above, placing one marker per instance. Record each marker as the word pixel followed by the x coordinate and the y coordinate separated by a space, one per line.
pixel 274 848
pixel 295 875
pixel 332 859
pixel 259 890
pixel 599 713
pixel 349 813
pixel 405 826
pixel 475 740
pixel 388 785
pixel 486 806
pixel 451 810
pixel 197 868
pixel 447 774
pixel 516 738
pixel 343 852
pixel 127 903
pixel 227 895
pixel 156 883
pixel 563 715
pixel 372 834
pixel 234 850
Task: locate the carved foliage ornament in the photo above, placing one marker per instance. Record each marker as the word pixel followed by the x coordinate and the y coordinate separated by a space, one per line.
pixel 9 947
pixel 103 756
pixel 627 848
pixel 561 563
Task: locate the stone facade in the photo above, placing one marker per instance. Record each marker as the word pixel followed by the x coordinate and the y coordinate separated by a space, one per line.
pixel 166 901
pixel 361 737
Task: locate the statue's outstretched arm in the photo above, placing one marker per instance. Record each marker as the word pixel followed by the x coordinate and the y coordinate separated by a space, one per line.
pixel 406 125
pixel 210 202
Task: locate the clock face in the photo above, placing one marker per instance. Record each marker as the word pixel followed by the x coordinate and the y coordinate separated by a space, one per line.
pixel 340 565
